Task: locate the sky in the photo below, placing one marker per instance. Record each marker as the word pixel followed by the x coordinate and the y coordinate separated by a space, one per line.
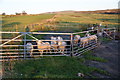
pixel 41 6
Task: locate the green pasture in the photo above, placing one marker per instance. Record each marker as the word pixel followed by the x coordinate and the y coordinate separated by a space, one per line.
pixel 88 18
pixel 78 21
pixel 55 67
pixel 19 22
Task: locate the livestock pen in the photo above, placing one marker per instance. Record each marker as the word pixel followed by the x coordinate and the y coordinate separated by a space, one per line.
pixel 16 48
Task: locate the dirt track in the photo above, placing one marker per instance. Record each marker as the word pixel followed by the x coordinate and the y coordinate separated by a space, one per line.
pixel 108 51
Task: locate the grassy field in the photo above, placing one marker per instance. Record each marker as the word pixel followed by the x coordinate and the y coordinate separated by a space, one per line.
pixel 10 23
pixel 55 67
pixel 71 20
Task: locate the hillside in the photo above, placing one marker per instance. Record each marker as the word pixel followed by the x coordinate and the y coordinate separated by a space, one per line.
pixel 108 11
pixel 56 21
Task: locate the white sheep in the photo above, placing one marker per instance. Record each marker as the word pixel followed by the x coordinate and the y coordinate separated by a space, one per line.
pixel 83 40
pixel 76 39
pixel 54 44
pixel 92 37
pixel 61 44
pixel 43 46
pixel 29 48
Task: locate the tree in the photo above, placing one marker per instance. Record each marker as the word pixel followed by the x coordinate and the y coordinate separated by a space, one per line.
pixel 24 13
pixel 27 29
pixel 3 14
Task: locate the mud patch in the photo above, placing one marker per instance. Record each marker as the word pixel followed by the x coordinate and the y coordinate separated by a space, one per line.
pixel 108 51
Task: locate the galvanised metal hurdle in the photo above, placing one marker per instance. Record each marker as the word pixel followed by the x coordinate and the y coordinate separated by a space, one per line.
pixel 10 49
pixel 19 51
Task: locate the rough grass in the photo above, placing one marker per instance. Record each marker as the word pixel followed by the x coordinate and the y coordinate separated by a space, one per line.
pixel 54 67
pixel 89 56
pixel 9 23
pixel 78 20
pixel 105 39
pixel 88 18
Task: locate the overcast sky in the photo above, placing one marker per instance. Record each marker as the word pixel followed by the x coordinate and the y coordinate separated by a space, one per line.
pixel 41 6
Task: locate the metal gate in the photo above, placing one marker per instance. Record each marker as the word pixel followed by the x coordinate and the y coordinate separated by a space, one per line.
pixel 14 48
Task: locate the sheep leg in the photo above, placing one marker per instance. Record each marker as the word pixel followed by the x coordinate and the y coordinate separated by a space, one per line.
pixel 31 53
pixel 96 40
pixel 56 49
pixel 63 51
pixel 41 52
pixel 49 50
pixel 83 45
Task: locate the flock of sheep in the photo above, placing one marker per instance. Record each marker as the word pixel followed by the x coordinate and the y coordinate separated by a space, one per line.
pixel 57 44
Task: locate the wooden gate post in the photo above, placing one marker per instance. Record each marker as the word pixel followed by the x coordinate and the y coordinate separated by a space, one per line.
pixel 72 44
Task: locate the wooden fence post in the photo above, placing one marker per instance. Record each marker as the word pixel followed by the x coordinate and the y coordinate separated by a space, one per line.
pixel 72 44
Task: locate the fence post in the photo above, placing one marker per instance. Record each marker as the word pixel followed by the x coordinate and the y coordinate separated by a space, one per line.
pixel 72 44
pixel 114 33
pixel 24 45
pixel 98 31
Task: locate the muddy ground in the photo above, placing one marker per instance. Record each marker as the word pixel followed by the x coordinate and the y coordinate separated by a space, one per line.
pixel 108 51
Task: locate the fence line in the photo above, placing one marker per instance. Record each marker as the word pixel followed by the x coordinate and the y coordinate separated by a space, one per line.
pixel 71 50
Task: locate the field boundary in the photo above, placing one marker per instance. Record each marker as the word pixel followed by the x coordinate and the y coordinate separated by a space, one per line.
pixel 10 54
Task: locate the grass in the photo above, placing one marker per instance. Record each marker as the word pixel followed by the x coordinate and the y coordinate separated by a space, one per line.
pixel 81 22
pixel 89 56
pixel 9 23
pixel 87 18
pixel 105 39
pixel 54 67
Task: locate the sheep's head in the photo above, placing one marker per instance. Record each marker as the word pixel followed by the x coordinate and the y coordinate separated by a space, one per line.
pixel 53 38
pixel 39 41
pixel 77 37
pixel 59 38
pixel 29 43
pixel 87 34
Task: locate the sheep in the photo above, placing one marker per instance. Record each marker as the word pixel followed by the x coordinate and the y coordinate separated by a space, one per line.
pixel 92 37
pixel 29 48
pixel 76 39
pixel 61 44
pixel 84 41
pixel 54 44
pixel 43 46
pixel 48 46
pixel 59 38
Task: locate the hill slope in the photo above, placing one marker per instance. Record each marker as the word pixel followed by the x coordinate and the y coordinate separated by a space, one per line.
pixel 56 20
